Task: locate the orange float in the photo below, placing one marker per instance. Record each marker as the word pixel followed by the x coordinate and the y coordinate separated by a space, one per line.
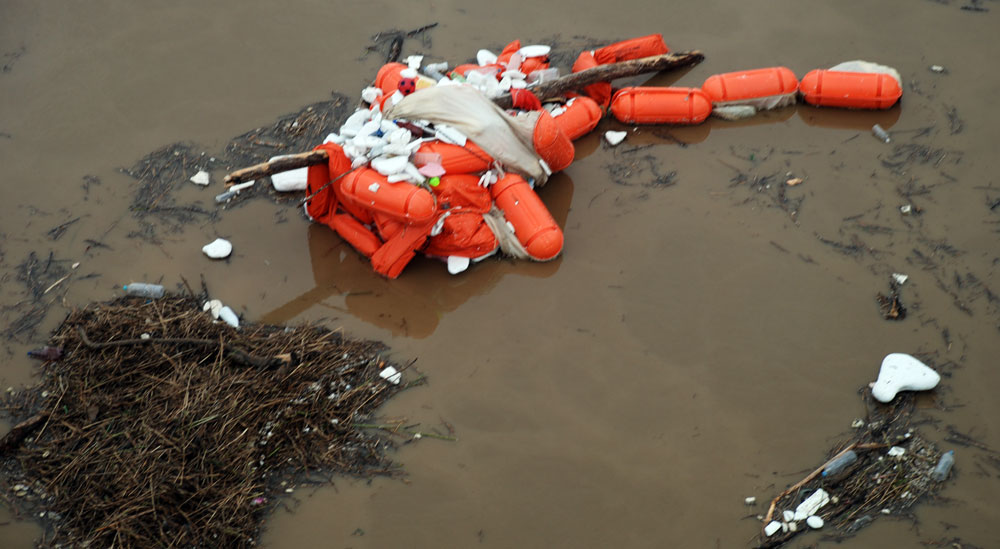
pixel 634 48
pixel 599 91
pixel 853 90
pixel 402 201
pixel 458 159
pixel 356 234
pixel 651 105
pixel 534 226
pixel 388 77
pixel 770 87
pixel 551 143
pixel 580 117
pixel 323 203
pixel 462 191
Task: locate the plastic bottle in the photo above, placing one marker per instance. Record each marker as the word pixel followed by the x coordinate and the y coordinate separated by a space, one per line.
pixel 880 133
pixel 840 463
pixel 144 290
pixel 943 467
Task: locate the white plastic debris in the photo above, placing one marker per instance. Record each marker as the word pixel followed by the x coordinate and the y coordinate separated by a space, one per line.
pixel 750 500
pixel 857 424
pixel 896 451
pixel 414 61
pixel 614 138
pixel 200 178
pixel 792 526
pixel 772 527
pixel 906 209
pixel 815 522
pixel 391 375
pixel 390 165
pixel 218 248
pixel 868 67
pixel 292 180
pixel 370 94
pixel 457 264
pixel 229 317
pixel 534 50
pixel 900 278
pixel 485 57
pixel 813 503
pixel 734 112
pixel 214 307
pixel 886 511
pixel 902 372
pixel 937 68
pixel 789 516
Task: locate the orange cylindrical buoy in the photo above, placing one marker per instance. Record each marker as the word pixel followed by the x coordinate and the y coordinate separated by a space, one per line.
pixel 763 88
pixel 459 159
pixel 322 203
pixel 579 117
pixel 853 90
pixel 403 201
pixel 356 234
pixel 551 143
pixel 651 105
pixel 388 77
pixel 462 191
pixel 463 234
pixel 634 48
pixel 598 91
pixel 533 225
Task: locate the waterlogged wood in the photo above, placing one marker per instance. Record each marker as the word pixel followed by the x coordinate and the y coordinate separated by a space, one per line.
pixel 606 73
pixel 547 90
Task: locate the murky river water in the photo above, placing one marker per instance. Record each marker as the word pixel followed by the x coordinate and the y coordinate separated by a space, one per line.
pixel 696 343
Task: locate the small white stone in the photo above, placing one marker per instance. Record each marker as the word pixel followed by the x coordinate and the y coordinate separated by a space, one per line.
pixel 391 375
pixel 896 451
pixel 614 138
pixel 815 522
pixel 900 278
pixel 772 528
pixel 200 178
pixel 750 500
pixel 218 248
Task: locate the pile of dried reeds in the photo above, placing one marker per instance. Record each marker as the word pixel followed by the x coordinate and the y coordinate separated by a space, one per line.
pixel 878 483
pixel 161 427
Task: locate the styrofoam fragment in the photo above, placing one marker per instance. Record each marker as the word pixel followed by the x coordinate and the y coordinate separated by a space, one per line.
pixel 389 165
pixel 292 180
pixel 391 375
pixel 614 138
pixel 414 61
pixel 772 527
pixel 485 57
pixel 813 503
pixel 218 248
pixel 457 264
pixel 200 178
pixel 371 94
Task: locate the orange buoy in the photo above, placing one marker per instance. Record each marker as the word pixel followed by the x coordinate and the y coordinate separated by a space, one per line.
pixel 599 91
pixel 635 48
pixel 579 117
pixel 388 77
pixel 534 226
pixel 356 234
pixel 853 90
pixel 402 201
pixel 462 234
pixel 323 202
pixel 551 143
pixel 649 105
pixel 458 159
pixel 763 88
pixel 508 51
pixel 462 191
pixel 533 64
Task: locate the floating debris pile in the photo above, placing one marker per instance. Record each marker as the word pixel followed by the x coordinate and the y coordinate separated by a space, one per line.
pixel 159 426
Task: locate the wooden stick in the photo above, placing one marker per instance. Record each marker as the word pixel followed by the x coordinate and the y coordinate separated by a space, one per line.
pixel 546 90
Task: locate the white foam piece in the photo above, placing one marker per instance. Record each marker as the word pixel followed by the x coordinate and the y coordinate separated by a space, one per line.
pixel 200 178
pixel 334 138
pixel 370 127
pixel 900 278
pixel 896 451
pixel 399 136
pixel 772 528
pixel 457 264
pixel 292 180
pixel 734 112
pixel 815 522
pixel 354 123
pixel 485 57
pixel 240 186
pixel 370 94
pixel 414 61
pixel 451 135
pixel 218 248
pixel 788 515
pixel 813 503
pixel 614 138
pixel 902 372
pixel 391 375
pixel 763 103
pixel 214 307
pixel 534 50
pixel 408 72
pixel 867 66
pixel 229 317
pixel 514 75
pixel 390 165
pixel 518 84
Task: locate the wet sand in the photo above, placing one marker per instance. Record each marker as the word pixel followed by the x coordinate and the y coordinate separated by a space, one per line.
pixel 704 336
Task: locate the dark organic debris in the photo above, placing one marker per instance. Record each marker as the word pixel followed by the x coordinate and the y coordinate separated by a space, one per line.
pixel 890 305
pixel 875 484
pixel 160 427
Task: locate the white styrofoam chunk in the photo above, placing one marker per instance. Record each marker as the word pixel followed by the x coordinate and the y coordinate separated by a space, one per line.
pixel 390 165
pixel 218 248
pixel 486 57
pixel 772 527
pixel 391 375
pixel 371 94
pixel 813 503
pixel 292 180
pixel 200 178
pixel 229 317
pixel 457 264
pixel 902 372
pixel 534 50
pixel 614 138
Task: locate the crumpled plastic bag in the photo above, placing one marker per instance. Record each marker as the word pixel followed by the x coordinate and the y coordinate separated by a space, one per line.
pixel 506 138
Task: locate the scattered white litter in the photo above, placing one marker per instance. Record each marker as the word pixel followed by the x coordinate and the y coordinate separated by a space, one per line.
pixel 886 511
pixel 772 527
pixel 900 278
pixel 896 451
pixel 200 178
pixel 486 57
pixel 750 500
pixel 734 112
pixel 902 372
pixel 218 248
pixel 815 522
pixel 370 94
pixel 937 68
pixel 813 503
pixel 390 165
pixel 906 209
pixel 229 317
pixel 214 307
pixel 614 138
pixel 857 424
pixel 789 516
pixel 457 264
pixel 534 50
pixel 391 375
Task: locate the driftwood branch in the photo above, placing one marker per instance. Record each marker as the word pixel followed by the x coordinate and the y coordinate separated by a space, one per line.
pixel 20 431
pixel 546 90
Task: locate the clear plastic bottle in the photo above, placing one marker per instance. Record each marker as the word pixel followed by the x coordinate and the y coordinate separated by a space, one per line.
pixel 840 463
pixel 143 289
pixel 880 133
pixel 943 467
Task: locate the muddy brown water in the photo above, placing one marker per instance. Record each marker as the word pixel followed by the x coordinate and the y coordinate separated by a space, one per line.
pixel 698 342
